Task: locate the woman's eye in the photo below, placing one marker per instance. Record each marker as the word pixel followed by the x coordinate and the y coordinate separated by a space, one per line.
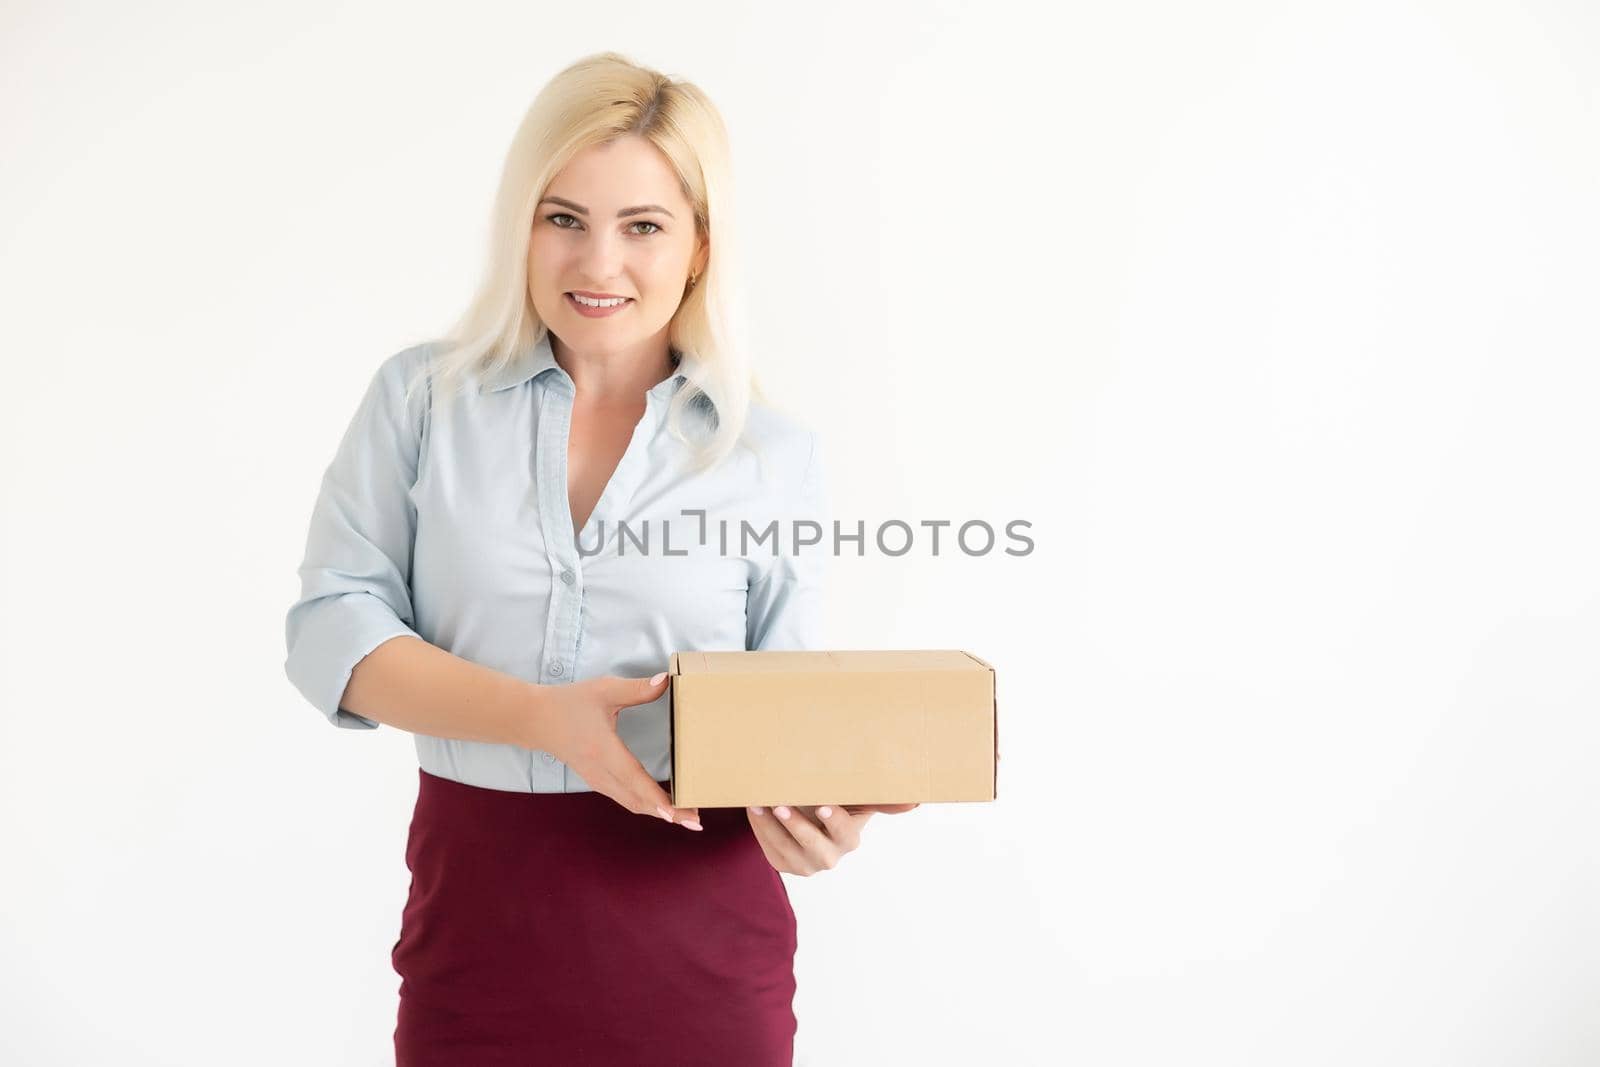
pixel 558 216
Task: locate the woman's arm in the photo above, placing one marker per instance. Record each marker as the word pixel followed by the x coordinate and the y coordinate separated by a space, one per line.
pixel 783 608
pixel 355 578
pixel 411 684
pixel 416 686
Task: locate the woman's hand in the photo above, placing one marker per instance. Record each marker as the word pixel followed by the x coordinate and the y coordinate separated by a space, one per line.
pixel 577 724
pixel 805 840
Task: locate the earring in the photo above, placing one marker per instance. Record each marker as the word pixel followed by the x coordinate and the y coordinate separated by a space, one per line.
pixel 692 279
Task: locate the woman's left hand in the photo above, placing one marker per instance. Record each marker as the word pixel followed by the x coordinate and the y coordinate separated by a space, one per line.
pixel 805 840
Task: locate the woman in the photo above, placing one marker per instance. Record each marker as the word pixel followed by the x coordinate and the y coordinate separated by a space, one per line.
pixel 466 579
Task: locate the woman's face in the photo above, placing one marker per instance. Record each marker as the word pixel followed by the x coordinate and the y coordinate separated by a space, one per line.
pixel 615 222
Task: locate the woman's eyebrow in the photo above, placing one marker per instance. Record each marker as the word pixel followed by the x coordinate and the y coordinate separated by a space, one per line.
pixel 624 213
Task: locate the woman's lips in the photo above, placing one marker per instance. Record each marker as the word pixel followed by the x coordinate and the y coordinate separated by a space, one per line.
pixel 592 312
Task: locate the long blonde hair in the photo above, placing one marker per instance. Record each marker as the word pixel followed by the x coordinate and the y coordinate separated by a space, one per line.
pixel 595 100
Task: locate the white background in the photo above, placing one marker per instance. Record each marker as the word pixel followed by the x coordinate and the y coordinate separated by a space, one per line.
pixel 1277 321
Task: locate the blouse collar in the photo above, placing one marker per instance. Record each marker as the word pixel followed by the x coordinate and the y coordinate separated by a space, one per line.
pixel 540 357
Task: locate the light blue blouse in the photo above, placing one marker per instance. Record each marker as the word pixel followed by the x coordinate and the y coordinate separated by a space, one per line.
pixel 448 519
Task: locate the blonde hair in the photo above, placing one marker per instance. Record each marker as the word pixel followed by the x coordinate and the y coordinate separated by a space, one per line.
pixel 595 100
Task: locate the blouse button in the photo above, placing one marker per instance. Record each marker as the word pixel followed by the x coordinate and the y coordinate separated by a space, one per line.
pixel 566 576
pixel 555 668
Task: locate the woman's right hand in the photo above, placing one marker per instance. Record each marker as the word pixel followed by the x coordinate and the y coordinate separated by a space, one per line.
pixel 578 726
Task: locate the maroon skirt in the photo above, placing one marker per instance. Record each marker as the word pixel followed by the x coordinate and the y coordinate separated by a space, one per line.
pixel 560 928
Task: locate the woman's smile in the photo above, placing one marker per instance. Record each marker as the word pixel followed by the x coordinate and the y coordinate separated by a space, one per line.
pixel 606 307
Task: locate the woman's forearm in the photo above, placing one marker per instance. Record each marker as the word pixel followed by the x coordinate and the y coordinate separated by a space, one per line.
pixel 413 685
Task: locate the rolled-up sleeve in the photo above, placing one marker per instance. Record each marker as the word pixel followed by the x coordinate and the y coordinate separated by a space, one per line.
pixel 355 591
pixel 784 608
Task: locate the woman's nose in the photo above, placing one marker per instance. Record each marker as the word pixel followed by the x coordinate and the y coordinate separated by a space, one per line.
pixel 600 258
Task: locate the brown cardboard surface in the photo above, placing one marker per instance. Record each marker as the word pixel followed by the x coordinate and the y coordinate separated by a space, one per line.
pixel 889 726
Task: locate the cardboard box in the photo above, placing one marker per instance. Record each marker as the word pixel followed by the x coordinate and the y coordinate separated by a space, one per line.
pixel 840 727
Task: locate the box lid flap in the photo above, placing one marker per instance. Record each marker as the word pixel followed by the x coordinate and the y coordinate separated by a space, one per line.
pixel 841 660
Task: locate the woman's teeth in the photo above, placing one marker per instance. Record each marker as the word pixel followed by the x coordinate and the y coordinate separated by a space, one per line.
pixel 611 303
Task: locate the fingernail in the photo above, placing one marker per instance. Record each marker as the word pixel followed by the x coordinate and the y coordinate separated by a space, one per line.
pixel 691 824
pixel 664 813
pixel 824 811
pixel 657 679
pixel 758 810
pixel 781 812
